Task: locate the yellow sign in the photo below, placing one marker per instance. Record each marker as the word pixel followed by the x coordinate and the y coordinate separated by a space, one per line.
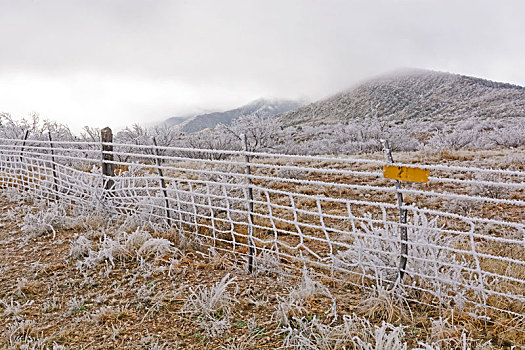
pixel 405 173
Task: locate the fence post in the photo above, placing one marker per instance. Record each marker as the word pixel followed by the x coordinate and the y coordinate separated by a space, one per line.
pixel 250 206
pixel 402 217
pixel 53 164
pixel 162 182
pixel 26 135
pixel 108 168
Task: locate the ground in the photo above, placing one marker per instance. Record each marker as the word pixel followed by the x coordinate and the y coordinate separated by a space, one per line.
pixel 53 295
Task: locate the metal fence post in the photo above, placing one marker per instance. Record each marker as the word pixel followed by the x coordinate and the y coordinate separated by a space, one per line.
pixel 250 206
pixel 162 182
pixel 108 167
pixel 402 217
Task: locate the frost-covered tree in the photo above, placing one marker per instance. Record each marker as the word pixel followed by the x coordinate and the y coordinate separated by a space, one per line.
pixel 261 133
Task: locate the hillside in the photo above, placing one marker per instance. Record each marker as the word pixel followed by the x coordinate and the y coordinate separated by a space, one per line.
pixel 177 120
pixel 421 94
pixel 261 107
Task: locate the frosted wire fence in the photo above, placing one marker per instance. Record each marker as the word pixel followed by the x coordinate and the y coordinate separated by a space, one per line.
pixel 334 216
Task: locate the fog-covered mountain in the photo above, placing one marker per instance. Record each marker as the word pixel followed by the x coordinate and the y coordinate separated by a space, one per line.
pixel 173 121
pixel 421 94
pixel 262 107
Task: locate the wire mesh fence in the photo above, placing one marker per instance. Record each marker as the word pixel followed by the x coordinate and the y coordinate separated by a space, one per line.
pixel 335 216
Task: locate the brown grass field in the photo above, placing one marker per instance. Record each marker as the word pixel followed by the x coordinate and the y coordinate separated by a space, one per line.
pixel 138 304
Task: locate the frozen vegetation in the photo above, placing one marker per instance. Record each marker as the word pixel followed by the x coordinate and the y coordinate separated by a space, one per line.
pixel 111 281
pixel 326 263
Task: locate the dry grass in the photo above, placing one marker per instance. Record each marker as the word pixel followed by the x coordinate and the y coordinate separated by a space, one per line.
pixel 146 303
pixel 129 290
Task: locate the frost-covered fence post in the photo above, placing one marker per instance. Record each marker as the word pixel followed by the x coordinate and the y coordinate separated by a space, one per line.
pixel 402 217
pixel 108 167
pixel 26 135
pixel 162 182
pixel 250 206
pixel 53 168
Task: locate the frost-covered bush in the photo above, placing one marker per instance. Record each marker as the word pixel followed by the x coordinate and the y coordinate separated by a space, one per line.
pixel 510 135
pixel 431 264
pixel 155 247
pixel 453 140
pixel 28 342
pixel 267 263
pixel 213 305
pixel 491 189
pixel 111 247
pixel 386 337
pixel 44 220
pixel 353 333
pixel 461 206
pixel 80 247
pixel 293 305
pixel 313 334
pixel 135 240
pixel 11 309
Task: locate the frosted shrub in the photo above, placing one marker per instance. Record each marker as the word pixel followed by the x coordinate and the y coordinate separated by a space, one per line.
pixel 155 247
pixel 110 249
pixel 376 249
pixel 386 337
pixel 511 135
pixel 80 247
pixel 294 304
pixel 44 221
pixel 454 140
pixel 212 305
pixel 353 333
pixel 313 334
pixel 267 263
pixel 308 288
pixel 120 246
pixel 86 218
pixel 488 190
pixel 385 304
pixel 400 140
pixel 135 240
pixel 106 251
pixel 461 206
pixel 11 309
pixel 39 343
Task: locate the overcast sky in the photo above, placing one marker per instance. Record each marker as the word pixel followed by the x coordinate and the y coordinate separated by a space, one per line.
pixel 117 62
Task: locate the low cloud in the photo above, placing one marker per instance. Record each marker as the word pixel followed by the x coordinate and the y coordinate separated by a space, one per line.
pixel 136 61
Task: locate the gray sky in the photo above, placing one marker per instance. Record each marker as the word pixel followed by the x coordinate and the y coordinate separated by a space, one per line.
pixel 117 62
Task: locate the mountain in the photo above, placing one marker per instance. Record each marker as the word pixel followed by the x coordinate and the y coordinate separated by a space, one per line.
pixel 421 94
pixel 262 107
pixel 173 121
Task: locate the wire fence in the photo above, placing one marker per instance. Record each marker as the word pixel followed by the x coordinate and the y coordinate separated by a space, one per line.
pixel 337 217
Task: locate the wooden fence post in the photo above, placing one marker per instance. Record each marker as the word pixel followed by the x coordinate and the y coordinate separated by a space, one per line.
pixel 53 164
pixel 26 135
pixel 402 217
pixel 162 182
pixel 108 168
pixel 250 206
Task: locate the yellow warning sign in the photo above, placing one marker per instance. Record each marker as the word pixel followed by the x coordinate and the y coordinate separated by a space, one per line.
pixel 405 173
